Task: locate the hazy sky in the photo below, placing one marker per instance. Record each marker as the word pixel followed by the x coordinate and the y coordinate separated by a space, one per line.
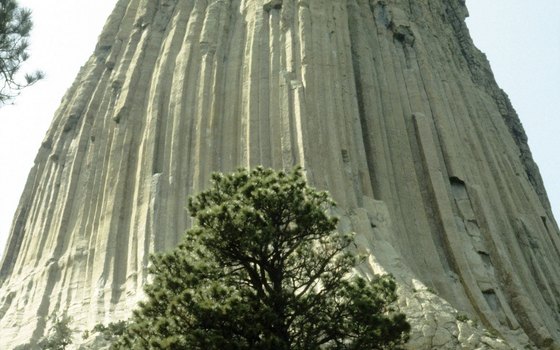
pixel 521 39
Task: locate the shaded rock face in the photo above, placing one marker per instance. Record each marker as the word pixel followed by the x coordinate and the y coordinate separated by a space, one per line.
pixel 386 104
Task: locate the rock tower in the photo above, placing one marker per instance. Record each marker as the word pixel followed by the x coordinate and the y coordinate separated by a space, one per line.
pixel 386 103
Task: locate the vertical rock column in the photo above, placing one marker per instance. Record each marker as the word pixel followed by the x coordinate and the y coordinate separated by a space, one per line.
pixel 386 104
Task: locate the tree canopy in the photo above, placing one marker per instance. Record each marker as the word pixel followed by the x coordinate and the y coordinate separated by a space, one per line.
pixel 264 268
pixel 59 336
pixel 15 27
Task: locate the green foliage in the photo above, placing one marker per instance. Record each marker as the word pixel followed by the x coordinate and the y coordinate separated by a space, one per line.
pixel 60 334
pixel 264 268
pixel 111 331
pixel 15 26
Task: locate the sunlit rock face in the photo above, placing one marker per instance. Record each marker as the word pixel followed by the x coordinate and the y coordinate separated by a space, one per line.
pixel 386 104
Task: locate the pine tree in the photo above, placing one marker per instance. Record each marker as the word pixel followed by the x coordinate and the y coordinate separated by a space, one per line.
pixel 60 334
pixel 15 27
pixel 264 268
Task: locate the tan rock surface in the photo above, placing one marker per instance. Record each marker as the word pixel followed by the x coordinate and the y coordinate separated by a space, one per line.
pixel 387 104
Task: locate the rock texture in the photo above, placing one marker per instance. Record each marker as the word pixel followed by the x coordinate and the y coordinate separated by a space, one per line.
pixel 387 104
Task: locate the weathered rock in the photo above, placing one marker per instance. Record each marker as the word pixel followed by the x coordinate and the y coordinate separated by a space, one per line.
pixel 387 104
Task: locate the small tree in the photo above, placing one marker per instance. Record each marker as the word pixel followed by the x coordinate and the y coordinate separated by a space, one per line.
pixel 264 268
pixel 15 27
pixel 59 336
pixel 109 332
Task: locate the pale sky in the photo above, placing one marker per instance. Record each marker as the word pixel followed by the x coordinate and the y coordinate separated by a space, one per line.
pixel 521 39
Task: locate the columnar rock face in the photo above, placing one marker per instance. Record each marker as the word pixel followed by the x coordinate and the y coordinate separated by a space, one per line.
pixel 386 103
